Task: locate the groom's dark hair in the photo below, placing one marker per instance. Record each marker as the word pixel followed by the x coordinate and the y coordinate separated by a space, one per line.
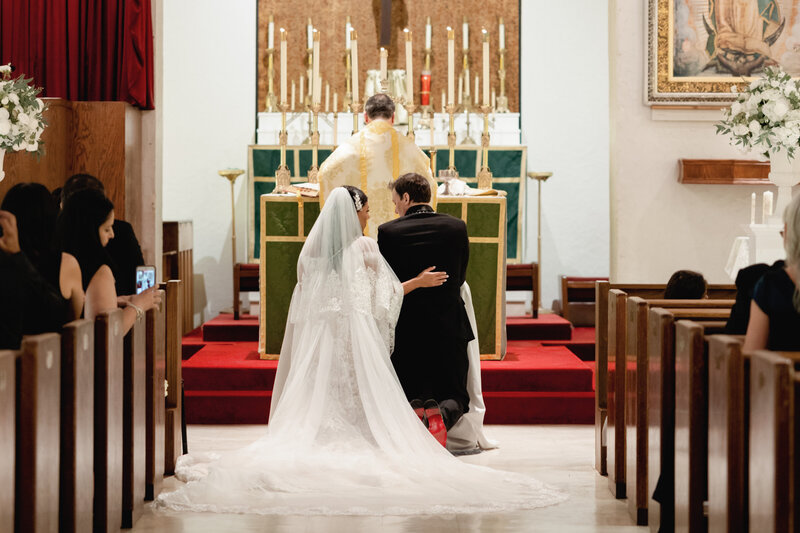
pixel 417 187
pixel 379 106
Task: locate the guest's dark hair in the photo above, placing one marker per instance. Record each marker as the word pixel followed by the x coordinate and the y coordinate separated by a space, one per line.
pixel 78 182
pixel 78 230
pixel 36 213
pixel 686 285
pixel 355 192
pixel 379 106
pixel 417 187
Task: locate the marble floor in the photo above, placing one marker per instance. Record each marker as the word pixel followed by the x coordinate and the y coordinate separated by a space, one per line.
pixel 561 456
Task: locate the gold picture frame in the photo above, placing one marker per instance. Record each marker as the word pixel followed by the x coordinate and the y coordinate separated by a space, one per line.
pixel 700 73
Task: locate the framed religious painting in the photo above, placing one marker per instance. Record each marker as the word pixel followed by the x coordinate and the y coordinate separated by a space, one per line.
pixel 699 49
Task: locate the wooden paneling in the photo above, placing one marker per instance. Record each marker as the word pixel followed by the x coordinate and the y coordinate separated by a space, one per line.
pixel 77 426
pixel 134 426
pixel 155 401
pixel 86 137
pixel 38 439
pixel 724 172
pixel 179 264
pixel 8 372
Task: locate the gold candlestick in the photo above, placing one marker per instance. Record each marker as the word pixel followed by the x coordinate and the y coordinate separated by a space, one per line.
pixel 502 99
pixel 540 177
pixel 231 174
pixel 485 175
pixel 310 76
pixel 270 103
pixel 313 172
pixel 450 173
pixel 348 79
pixel 410 109
pixel 283 177
pixel 355 107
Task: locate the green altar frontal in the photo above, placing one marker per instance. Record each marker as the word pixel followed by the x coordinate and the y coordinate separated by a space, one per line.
pixel 285 222
pixel 507 163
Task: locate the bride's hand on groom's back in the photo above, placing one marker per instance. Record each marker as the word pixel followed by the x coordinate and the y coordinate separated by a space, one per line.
pixel 429 278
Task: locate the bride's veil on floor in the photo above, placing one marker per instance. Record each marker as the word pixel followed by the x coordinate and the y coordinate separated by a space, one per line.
pixel 342 438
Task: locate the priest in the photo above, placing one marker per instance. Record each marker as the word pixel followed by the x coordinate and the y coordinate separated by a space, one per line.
pixel 373 158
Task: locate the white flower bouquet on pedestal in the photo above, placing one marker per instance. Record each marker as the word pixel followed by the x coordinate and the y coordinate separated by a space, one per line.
pixel 21 120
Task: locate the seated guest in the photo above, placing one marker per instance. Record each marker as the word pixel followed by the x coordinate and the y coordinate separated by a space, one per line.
pixel 85 227
pixel 775 309
pixel 124 249
pixel 686 285
pixel 745 283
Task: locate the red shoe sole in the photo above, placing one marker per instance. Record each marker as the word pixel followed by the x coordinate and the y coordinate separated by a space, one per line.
pixel 436 426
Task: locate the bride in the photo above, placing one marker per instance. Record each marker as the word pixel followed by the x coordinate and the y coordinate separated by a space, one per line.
pixel 342 438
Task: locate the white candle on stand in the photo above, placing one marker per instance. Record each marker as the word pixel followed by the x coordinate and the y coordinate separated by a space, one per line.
pixel 465 27
pixel 494 100
pixel 485 68
pixel 354 63
pixel 327 97
pixel 317 88
pixel 335 102
pixel 767 206
pixel 409 68
pixel 283 66
pixel 347 28
pixel 753 208
pixel 444 102
pixel 302 90
pixel 428 34
pixel 310 34
pixel 460 89
pixel 293 95
pixel 477 97
pixel 502 35
pixel 384 59
pixel 271 34
pixel 451 68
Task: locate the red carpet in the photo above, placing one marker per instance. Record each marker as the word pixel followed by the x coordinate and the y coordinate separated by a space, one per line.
pixel 537 382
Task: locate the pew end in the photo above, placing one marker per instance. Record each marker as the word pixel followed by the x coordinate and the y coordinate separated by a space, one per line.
pixel 8 402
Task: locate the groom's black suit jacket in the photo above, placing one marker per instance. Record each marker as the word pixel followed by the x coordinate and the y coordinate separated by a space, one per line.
pixel 430 354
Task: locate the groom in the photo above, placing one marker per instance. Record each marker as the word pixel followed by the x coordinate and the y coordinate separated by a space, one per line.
pixel 430 351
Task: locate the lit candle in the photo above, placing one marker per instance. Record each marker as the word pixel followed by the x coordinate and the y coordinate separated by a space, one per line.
pixel 384 58
pixel 409 69
pixel 271 34
pixel 354 63
pixel 310 34
pixel 502 35
pixel 317 87
pixel 347 28
pixel 753 208
pixel 485 69
pixel 302 90
pixel 283 66
pixel 466 34
pixel 293 94
pixel 327 97
pixel 767 206
pixel 451 67
pixel 335 102
pixel 428 34
pixel 460 89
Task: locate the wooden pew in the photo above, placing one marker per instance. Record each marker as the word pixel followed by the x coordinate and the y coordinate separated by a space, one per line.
pixel 636 408
pixel 172 433
pixel 8 402
pixel 155 407
pixel 134 426
pixel 37 435
pixel 648 291
pixel 108 424
pixel 773 443
pixel 77 427
pixel 578 300
pixel 616 393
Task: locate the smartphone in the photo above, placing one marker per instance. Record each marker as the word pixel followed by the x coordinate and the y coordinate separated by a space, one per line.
pixel 145 278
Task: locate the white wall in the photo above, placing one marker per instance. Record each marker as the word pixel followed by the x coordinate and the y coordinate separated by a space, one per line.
pixel 657 224
pixel 209 119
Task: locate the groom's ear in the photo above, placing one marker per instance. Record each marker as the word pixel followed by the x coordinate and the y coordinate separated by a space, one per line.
pixel 406 198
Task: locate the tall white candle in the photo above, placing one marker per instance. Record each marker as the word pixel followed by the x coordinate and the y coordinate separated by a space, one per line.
pixel 409 68
pixel 283 66
pixel 302 90
pixel 335 102
pixel 465 75
pixel 327 97
pixel 502 35
pixel 271 34
pixel 354 63
pixel 310 34
pixel 293 95
pixel 485 69
pixel 384 59
pixel 428 34
pixel 767 206
pixel 444 102
pixel 460 88
pixel 347 28
pixel 317 87
pixel 494 100
pixel 753 208
pixel 476 93
pixel 451 67
pixel 465 27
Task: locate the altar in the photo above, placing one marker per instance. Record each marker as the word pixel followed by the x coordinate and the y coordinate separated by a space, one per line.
pixel 286 220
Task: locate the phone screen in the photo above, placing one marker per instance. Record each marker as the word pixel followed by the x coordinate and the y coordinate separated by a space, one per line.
pixel 145 278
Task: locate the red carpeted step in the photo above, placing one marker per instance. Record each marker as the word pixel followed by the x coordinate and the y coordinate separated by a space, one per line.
pixel 229 366
pixel 539 407
pixel 529 367
pixel 227 407
pixel 546 327
pixel 225 329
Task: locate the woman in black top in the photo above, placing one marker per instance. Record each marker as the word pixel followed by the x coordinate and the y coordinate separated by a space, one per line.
pixel 775 309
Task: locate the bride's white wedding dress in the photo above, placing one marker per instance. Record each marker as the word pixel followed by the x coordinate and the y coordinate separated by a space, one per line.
pixel 342 438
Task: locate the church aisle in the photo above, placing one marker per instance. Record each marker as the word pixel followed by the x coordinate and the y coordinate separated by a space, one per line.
pixel 558 455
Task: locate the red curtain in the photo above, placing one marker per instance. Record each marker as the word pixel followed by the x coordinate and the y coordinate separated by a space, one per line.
pixel 81 49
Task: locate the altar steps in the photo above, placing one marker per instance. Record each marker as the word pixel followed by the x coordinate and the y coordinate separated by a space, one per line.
pixel 538 381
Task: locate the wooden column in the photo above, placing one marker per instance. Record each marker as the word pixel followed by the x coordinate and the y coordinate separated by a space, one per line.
pixel 155 401
pixel 77 426
pixel 134 427
pixel 108 384
pixel 8 402
pixel 38 398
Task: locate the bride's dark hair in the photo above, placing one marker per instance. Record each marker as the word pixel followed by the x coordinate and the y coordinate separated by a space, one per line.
pixel 357 195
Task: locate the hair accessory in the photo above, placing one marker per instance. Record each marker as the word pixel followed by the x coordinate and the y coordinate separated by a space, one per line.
pixel 357 201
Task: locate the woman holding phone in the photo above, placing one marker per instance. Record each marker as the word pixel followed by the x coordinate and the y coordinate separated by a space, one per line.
pixel 85 228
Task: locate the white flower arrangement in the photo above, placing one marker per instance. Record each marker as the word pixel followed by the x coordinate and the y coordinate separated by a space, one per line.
pixel 21 120
pixel 766 115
